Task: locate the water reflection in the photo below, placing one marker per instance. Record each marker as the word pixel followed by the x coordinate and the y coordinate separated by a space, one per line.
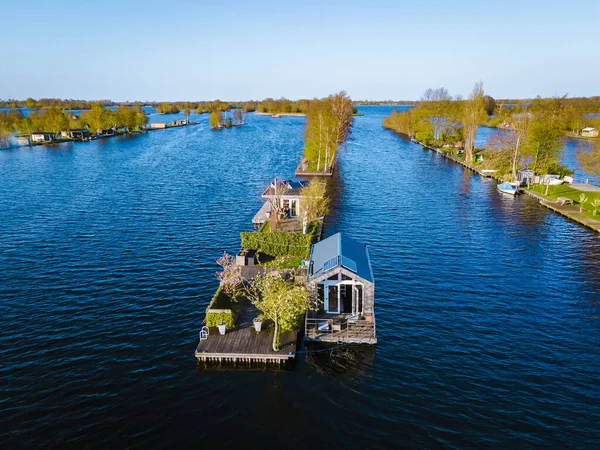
pixel 348 362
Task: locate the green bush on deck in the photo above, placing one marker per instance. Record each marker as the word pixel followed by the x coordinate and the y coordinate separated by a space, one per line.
pixel 213 319
pixel 281 243
pixel 222 301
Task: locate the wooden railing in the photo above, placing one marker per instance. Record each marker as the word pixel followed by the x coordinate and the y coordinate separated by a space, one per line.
pixel 315 327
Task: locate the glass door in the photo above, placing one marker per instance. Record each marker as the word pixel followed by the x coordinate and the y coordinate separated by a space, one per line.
pixel 294 208
pixel 333 299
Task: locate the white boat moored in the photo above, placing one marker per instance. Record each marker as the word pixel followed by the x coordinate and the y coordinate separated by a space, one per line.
pixel 507 188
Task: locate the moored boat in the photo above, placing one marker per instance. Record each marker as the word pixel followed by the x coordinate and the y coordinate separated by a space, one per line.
pixel 275 116
pixel 507 188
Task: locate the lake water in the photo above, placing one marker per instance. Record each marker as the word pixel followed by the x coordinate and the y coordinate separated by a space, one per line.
pixel 487 307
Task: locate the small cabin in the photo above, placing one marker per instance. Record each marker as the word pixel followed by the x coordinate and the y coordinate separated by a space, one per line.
pixel 590 132
pixel 285 192
pixel 525 177
pixel 341 283
pixel 107 132
pixel 158 125
pixel 42 136
pixel 80 134
pixel 22 141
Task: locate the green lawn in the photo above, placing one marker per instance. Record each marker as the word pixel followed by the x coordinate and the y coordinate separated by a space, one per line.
pixel 563 190
pixel 280 261
pixel 266 228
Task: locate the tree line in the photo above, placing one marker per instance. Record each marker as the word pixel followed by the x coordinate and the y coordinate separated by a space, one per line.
pixel 530 133
pixel 328 125
pixel 54 119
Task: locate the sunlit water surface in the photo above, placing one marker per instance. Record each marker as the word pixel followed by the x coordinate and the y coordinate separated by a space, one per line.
pixel 487 307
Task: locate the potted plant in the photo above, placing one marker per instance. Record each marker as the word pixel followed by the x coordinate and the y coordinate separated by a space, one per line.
pixel 257 323
pixel 222 327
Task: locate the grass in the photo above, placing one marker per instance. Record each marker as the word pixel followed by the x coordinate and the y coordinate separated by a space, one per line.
pixel 280 261
pixel 266 228
pixel 563 190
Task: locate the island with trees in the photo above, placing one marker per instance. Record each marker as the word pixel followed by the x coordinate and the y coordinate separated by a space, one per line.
pixel 219 119
pixel 328 125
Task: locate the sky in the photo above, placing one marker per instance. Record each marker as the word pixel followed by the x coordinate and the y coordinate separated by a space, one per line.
pixel 378 50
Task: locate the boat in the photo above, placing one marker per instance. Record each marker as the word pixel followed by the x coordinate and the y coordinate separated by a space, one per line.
pixel 551 180
pixel 275 116
pixel 507 188
pixel 413 140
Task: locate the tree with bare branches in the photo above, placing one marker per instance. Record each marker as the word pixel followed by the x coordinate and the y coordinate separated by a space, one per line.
pixel 473 115
pixel 275 193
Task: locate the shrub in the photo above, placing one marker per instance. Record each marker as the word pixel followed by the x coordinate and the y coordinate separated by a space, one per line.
pixel 222 308
pixel 214 317
pixel 424 137
pixel 280 243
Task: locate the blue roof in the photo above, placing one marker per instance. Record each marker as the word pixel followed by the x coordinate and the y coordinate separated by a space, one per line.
pixel 340 250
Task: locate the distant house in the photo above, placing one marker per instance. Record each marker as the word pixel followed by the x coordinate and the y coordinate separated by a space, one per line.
pixel 158 125
pixel 80 134
pixel 590 132
pixel 22 141
pixel 342 286
pixel 42 136
pixel 107 132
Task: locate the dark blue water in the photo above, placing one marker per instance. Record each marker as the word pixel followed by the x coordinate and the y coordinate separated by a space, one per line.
pixel 487 307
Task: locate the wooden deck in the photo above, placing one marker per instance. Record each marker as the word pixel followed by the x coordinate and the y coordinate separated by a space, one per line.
pixel 243 345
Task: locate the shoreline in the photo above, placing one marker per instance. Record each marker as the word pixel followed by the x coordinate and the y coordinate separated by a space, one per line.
pixel 571 212
pixel 280 114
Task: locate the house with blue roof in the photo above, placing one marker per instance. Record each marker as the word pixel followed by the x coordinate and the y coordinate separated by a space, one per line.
pixel 340 279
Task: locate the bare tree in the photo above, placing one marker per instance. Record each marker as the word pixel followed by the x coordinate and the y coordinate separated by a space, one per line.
pixel 473 115
pixel 275 193
pixel 438 102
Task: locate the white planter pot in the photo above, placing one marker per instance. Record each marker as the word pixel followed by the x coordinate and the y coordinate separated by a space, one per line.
pixel 268 214
pixel 222 329
pixel 257 325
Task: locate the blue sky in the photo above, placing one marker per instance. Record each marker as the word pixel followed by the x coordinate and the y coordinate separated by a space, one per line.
pixel 200 50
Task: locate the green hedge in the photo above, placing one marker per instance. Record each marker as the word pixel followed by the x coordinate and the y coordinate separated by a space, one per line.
pixel 213 319
pixel 227 310
pixel 281 243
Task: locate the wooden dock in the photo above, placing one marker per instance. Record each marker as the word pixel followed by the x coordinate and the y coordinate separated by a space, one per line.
pixel 243 345
pixel 569 211
pixel 246 346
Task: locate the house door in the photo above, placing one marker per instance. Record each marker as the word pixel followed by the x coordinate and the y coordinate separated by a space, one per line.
pixel 356 300
pixel 294 208
pixel 332 300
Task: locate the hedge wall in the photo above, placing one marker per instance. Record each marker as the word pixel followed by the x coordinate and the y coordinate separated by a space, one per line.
pixel 279 243
pixel 226 308
pixel 213 318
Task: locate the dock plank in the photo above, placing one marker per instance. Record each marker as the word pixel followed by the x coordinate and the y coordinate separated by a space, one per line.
pixel 244 343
